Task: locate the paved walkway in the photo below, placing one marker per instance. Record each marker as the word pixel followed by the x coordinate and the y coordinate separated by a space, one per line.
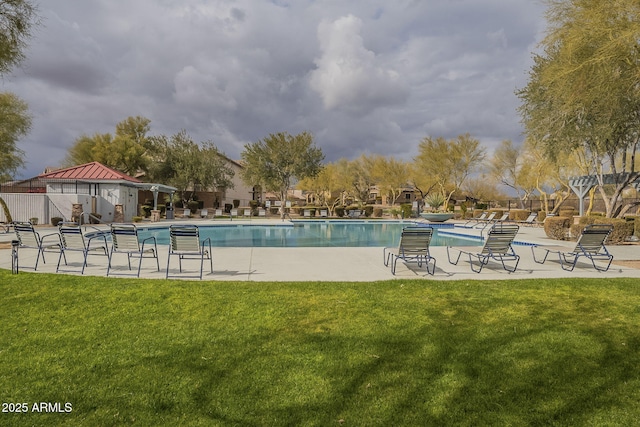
pixel 337 264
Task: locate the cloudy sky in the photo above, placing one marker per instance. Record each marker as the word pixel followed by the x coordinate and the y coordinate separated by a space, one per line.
pixel 364 76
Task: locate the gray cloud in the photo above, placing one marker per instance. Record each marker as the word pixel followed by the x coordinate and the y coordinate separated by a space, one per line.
pixel 363 76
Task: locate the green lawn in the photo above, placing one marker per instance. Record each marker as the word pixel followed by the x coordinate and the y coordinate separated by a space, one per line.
pixel 396 353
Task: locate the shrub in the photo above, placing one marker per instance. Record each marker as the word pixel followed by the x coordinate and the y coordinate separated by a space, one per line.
pixel 56 220
pixel 568 212
pixel 145 211
pixel 236 203
pixel 519 214
pixel 463 209
pixel 340 211
pixel 136 219
pixel 33 221
pixel 368 211
pixel 406 209
pixel 622 229
pixel 435 200
pixel 193 205
pixel 557 227
pixel 377 212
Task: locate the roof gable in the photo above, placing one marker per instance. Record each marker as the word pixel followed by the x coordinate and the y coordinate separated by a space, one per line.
pixel 93 171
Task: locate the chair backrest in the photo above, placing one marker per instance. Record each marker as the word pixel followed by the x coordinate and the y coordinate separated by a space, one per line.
pixel 204 213
pixel 415 240
pixel 72 237
pixel 499 239
pixel 125 237
pixel 592 238
pixel 504 217
pixel 184 238
pixel 491 216
pixel 307 212
pixel 26 234
pixel 186 213
pixel 483 216
pixel 218 212
pixel 532 217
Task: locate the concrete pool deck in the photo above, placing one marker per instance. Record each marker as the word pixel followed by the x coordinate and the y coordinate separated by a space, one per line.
pixel 334 263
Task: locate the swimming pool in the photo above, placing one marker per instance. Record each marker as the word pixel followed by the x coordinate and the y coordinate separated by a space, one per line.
pixel 310 234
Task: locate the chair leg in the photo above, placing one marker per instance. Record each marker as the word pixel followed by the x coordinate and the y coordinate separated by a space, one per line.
pixel 109 262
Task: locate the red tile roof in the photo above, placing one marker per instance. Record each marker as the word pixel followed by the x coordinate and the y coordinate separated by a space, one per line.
pixel 93 171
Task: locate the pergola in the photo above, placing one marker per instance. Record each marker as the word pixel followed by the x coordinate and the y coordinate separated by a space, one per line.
pixel 581 185
pixel 155 189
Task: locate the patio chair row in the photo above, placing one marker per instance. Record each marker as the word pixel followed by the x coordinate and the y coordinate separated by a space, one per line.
pixel 185 243
pixel 415 241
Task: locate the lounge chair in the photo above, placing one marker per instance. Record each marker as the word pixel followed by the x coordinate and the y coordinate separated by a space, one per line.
pixel 323 213
pixel 204 213
pixel 475 221
pixel 414 246
pixel 30 238
pixel 488 220
pixel 124 239
pixel 307 213
pixel 234 212
pixel 503 218
pixel 186 213
pixel 590 245
pixel 185 244
pixel 73 239
pixel 530 219
pixel 247 212
pixel 6 226
pixel 497 246
pixel 262 212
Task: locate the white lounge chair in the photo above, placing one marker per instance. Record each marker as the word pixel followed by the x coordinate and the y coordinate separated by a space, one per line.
pixel 323 213
pixel 30 238
pixel 186 213
pixel 75 240
pixel 414 246
pixel 124 239
pixel 185 243
pixel 204 213
pixel 497 246
pixel 590 245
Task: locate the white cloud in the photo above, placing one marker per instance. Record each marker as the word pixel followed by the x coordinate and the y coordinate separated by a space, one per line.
pixel 349 76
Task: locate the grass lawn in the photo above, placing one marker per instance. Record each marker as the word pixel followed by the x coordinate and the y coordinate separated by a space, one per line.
pixel 396 353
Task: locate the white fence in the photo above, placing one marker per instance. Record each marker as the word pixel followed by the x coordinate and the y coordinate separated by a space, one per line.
pixel 24 206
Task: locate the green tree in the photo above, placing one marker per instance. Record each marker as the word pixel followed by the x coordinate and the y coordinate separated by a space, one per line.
pixel 17 18
pixel 449 162
pixel 127 151
pixel 15 124
pixel 390 175
pixel 188 166
pixel 511 168
pixel 276 161
pixel 331 186
pixel 584 89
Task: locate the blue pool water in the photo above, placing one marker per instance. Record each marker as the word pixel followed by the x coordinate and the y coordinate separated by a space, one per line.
pixel 311 234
